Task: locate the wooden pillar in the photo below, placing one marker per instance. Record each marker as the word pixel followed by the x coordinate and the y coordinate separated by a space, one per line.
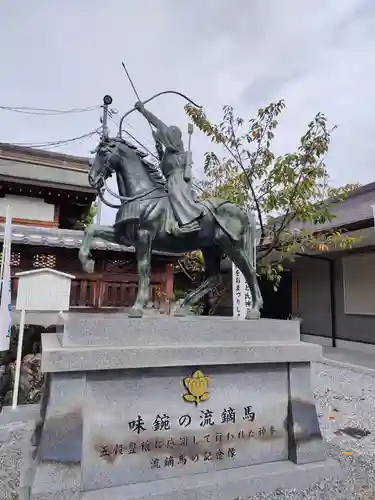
pixel 167 289
pixel 169 282
pixel 99 291
pixel 56 217
pixel 295 304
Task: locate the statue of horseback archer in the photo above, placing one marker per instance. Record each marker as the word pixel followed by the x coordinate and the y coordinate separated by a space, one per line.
pixel 157 211
pixel 174 164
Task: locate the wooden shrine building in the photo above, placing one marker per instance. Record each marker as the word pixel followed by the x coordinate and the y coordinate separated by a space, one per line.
pixel 50 197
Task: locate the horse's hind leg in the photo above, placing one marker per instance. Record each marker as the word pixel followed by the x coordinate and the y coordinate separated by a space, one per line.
pixel 239 257
pixel 212 258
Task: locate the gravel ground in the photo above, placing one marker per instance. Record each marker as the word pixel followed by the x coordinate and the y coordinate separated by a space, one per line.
pixel 344 398
pixel 11 441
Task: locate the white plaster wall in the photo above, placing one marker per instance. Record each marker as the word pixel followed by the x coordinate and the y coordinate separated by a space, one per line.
pixel 24 207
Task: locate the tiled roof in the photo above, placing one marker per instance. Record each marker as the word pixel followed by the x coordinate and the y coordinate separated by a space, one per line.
pixel 64 238
pixel 60 158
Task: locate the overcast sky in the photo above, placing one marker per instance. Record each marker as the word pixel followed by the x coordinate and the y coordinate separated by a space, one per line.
pixel 319 55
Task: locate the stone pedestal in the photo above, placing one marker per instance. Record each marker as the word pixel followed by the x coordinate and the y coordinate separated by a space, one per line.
pixel 167 407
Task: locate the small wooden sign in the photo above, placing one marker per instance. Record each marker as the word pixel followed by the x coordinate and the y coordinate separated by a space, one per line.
pixel 43 290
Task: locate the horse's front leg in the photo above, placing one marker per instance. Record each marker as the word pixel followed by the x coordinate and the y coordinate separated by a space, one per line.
pixel 93 231
pixel 143 250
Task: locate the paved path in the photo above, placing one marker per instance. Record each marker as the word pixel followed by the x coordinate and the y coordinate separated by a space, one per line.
pixel 347 358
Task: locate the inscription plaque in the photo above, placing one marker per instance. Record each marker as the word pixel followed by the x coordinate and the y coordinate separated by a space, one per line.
pixel 138 427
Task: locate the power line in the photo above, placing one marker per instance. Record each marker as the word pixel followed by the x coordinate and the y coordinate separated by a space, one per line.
pixel 110 115
pixel 66 146
pixel 140 144
pixel 47 112
pixel 80 139
pixel 134 138
pixel 52 144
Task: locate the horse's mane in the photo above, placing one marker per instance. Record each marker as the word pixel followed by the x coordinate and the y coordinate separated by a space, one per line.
pixel 152 169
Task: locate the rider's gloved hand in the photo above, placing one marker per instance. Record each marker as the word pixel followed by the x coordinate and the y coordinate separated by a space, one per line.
pixel 139 106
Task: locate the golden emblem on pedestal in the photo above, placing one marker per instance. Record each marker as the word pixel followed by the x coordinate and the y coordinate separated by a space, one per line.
pixel 197 385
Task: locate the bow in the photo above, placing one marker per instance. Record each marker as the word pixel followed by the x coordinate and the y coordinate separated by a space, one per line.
pixel 151 99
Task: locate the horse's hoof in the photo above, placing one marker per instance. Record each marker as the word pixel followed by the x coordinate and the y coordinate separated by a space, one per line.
pixel 135 313
pixel 89 266
pixel 252 314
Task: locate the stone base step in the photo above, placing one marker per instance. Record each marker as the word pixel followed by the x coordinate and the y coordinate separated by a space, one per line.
pixel 243 482
pixel 155 330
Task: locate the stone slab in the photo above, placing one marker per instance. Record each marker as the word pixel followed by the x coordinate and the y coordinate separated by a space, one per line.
pixel 138 426
pixel 23 413
pixel 305 439
pixel 58 482
pixel 57 359
pixel 61 438
pixel 243 482
pixel 119 330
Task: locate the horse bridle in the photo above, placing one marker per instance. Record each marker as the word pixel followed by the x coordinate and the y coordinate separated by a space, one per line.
pixel 124 199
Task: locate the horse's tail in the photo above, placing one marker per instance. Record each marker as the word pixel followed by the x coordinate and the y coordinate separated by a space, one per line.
pixel 250 239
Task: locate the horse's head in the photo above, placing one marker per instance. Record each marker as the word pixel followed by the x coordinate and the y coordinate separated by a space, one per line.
pixel 118 155
pixel 104 162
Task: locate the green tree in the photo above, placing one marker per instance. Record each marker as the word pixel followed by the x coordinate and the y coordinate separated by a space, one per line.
pixel 280 190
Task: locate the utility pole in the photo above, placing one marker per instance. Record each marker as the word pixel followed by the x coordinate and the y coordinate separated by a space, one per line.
pixel 107 101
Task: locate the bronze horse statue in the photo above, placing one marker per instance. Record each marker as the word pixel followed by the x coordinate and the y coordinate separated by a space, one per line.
pixel 145 220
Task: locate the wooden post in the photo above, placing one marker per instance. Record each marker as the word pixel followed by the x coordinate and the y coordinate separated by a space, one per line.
pixel 295 308
pixel 18 361
pixel 169 282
